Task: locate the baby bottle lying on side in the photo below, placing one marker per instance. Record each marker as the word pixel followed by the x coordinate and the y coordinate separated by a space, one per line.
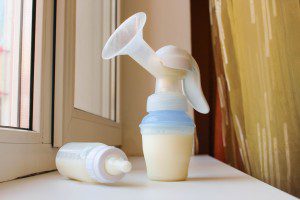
pixel 92 162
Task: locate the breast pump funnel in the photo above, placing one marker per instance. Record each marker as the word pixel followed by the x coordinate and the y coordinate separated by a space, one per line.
pixel 128 40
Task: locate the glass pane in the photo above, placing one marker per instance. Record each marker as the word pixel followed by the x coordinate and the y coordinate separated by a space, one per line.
pixel 15 62
pixel 94 79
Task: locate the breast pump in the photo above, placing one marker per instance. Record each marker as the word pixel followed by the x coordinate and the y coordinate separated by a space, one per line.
pixel 167 131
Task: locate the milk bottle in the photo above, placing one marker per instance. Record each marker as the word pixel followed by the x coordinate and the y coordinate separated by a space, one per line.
pixel 92 162
pixel 167 144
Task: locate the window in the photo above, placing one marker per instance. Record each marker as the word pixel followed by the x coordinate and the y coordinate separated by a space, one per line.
pixel 16 66
pixel 95 80
pixel 26 40
pixel 86 87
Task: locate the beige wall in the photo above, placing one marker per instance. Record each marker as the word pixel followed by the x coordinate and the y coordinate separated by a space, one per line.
pixel 168 22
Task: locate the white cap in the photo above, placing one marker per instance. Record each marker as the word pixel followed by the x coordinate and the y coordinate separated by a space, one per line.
pixel 97 160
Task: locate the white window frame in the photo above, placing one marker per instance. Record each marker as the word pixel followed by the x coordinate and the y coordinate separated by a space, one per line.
pixel 71 124
pixel 24 152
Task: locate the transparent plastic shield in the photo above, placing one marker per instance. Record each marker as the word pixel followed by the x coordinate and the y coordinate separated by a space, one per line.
pixel 128 40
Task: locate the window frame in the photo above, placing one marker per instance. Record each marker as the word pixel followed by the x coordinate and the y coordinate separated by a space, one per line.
pixel 24 151
pixel 70 123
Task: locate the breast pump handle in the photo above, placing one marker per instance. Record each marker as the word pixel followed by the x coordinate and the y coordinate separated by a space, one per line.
pixel 177 58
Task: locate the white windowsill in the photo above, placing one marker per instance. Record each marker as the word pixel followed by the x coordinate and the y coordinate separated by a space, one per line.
pixel 208 179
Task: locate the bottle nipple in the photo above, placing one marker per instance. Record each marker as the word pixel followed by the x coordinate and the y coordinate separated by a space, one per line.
pixel 115 166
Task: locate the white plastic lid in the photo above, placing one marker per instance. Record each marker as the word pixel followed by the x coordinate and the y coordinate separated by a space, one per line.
pixel 97 159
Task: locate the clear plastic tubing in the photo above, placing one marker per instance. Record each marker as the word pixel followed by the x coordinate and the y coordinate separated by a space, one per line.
pixel 92 162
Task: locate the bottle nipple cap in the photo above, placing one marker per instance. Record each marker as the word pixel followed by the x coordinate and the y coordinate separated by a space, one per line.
pixel 107 164
pixel 116 166
pixel 126 166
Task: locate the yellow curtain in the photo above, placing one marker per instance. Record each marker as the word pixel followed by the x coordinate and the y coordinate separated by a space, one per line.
pixel 257 57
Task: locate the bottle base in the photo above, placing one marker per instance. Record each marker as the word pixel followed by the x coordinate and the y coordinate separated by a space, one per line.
pixel 167 179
